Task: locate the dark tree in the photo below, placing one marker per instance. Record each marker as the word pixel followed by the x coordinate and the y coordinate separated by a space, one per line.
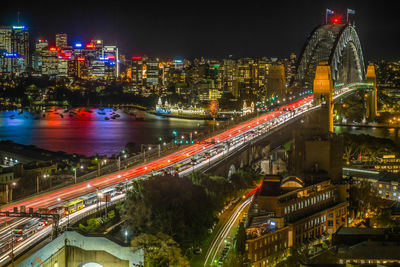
pixel 241 240
pixel 171 205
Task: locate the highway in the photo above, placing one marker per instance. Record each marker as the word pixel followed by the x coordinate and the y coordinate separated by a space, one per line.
pixel 207 152
pixel 74 191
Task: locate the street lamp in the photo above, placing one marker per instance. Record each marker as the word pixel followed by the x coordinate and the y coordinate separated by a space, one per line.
pixel 74 175
pixel 98 194
pixel 126 236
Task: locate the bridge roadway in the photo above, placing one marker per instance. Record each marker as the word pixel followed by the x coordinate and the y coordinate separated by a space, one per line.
pixel 74 191
pixel 58 197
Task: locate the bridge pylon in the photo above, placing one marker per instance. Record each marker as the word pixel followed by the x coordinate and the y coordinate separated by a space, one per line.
pixel 323 93
pixel 372 103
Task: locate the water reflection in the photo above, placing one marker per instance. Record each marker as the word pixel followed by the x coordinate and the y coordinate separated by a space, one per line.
pixel 89 133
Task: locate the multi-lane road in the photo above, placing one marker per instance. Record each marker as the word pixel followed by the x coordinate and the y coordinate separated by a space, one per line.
pixel 71 192
pixel 182 161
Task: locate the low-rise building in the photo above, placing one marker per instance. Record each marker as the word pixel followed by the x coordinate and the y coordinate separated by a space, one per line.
pixel 388 163
pixel 385 183
pixel 290 213
pixel 6 181
pixel 359 246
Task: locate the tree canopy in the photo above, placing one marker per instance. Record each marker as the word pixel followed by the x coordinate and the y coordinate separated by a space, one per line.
pixel 171 205
pixel 159 250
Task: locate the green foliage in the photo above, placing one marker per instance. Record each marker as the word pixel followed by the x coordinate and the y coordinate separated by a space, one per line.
pixel 171 205
pixel 241 240
pixel 159 250
pixel 369 147
pixel 234 260
pixel 364 198
pixel 217 187
pixel 111 214
pixel 82 227
pixel 298 257
pixel 93 224
pixel 132 148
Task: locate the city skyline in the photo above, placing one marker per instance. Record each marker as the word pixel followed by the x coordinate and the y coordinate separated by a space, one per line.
pixel 174 31
pixel 147 134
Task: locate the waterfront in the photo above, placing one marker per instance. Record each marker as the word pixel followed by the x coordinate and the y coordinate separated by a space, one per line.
pixel 390 133
pixel 89 133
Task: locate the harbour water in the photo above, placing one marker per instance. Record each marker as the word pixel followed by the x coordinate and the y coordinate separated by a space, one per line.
pixel 88 132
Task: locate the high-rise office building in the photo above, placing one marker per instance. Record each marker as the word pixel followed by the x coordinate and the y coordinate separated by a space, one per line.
pixel 152 72
pixel 37 56
pixel 5 49
pixel 5 38
pixel 49 61
pixel 137 73
pixel 14 44
pixel 111 57
pixel 61 40
pixel 97 69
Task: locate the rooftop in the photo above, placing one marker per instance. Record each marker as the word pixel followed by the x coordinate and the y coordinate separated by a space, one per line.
pixel 371 250
pixel 370 174
pixel 275 185
pixel 360 231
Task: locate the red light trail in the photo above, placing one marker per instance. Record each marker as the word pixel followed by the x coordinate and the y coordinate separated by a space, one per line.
pixel 53 198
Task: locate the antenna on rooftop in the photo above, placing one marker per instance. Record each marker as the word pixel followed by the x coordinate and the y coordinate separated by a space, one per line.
pixel 18 13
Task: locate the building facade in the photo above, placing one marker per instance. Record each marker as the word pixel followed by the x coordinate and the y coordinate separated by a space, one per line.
pixel 14 49
pixel 288 213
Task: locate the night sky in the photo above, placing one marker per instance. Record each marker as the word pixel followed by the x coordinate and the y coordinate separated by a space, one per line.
pixel 200 28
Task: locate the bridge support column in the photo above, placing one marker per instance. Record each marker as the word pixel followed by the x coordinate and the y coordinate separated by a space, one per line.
pixel 372 106
pixel 323 93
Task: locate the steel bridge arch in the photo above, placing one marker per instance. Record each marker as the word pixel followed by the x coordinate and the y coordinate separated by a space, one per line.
pixel 339 45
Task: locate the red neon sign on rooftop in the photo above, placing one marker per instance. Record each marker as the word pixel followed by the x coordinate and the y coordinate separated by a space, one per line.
pixel 136 58
pixel 91 46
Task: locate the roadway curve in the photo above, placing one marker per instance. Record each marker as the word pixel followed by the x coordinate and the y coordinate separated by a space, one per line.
pixel 58 196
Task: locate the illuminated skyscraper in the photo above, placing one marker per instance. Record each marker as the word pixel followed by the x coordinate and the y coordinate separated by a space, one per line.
pixel 5 49
pixel 49 61
pixel 14 42
pixel 111 57
pixel 153 74
pixel 61 40
pixel 137 73
pixel 37 57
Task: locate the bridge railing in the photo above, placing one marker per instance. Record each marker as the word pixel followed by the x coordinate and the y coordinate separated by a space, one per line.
pixel 360 85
